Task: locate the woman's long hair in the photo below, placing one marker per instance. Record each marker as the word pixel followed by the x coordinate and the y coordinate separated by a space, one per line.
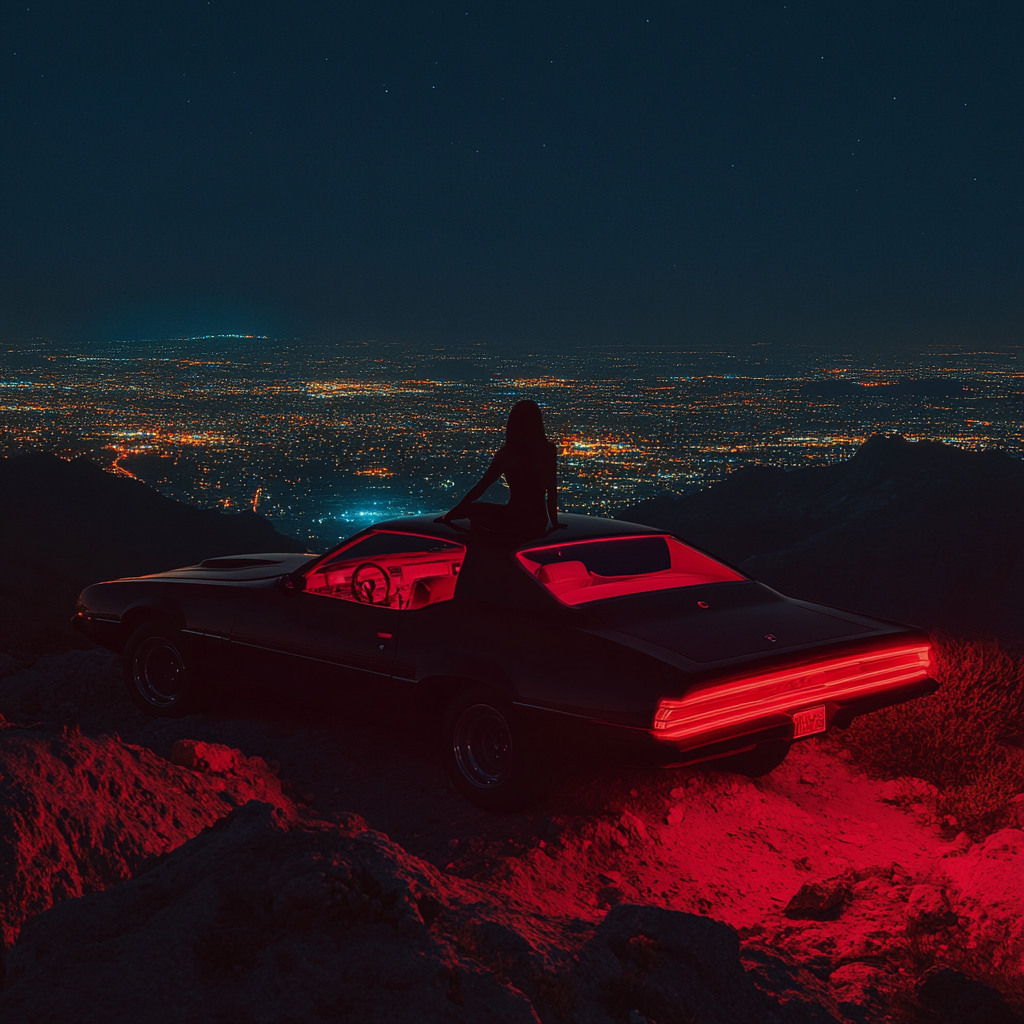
pixel 524 431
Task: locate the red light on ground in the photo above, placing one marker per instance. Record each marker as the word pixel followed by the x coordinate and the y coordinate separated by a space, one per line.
pixel 742 701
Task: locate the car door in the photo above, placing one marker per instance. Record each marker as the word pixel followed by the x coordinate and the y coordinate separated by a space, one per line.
pixel 337 636
pixel 316 646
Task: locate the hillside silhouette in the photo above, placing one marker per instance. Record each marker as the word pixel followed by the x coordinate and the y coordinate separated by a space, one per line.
pixel 917 531
pixel 66 524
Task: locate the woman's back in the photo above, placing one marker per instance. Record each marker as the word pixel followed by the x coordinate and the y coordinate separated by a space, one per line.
pixel 529 472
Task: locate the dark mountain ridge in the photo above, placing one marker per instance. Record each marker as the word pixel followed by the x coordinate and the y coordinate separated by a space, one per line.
pixel 66 524
pixel 917 531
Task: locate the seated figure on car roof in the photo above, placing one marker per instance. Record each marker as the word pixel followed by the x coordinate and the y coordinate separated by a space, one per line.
pixel 528 462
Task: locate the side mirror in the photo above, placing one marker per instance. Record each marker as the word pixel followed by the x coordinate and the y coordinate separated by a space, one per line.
pixel 294 582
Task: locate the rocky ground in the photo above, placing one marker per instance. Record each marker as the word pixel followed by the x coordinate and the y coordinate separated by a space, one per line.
pixel 343 879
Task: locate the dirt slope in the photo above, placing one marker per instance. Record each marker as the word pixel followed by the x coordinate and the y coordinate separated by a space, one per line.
pixel 854 880
pixel 83 813
pixel 261 919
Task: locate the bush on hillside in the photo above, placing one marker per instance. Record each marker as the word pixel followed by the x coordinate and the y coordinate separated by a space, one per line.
pixel 965 739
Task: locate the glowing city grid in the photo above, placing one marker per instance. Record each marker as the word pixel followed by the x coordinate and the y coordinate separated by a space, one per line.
pixel 324 439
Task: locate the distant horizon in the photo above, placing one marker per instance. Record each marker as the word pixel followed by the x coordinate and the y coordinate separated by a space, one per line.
pixel 863 349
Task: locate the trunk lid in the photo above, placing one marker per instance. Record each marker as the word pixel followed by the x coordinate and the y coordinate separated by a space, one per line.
pixel 723 621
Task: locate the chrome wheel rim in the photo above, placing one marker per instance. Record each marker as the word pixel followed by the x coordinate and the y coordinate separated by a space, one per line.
pixel 159 671
pixel 483 746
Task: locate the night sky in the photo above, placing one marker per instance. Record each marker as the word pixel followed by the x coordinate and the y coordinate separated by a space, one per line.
pixel 525 174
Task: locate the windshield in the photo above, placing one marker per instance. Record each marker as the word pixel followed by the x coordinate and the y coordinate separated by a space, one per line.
pixel 593 570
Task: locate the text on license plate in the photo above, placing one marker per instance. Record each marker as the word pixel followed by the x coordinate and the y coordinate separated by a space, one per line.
pixel 806 723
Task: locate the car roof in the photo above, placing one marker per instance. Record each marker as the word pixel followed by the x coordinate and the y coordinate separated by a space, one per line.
pixel 576 527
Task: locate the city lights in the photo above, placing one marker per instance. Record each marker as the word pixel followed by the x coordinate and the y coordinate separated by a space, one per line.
pixel 331 439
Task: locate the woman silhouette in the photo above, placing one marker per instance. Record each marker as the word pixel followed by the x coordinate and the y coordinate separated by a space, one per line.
pixel 528 462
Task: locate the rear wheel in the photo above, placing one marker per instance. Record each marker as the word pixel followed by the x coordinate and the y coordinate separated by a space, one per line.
pixel 488 753
pixel 764 758
pixel 157 672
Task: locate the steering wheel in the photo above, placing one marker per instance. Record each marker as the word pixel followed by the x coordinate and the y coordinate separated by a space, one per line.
pixel 370 584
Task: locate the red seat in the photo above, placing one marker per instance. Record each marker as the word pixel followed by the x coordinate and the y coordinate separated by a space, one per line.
pixel 431 589
pixel 561 574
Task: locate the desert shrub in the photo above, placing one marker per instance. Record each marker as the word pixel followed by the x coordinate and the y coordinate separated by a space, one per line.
pixel 965 739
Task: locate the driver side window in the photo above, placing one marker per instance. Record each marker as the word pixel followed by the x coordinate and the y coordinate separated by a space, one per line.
pixel 389 569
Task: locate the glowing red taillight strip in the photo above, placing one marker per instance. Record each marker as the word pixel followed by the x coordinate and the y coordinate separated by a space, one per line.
pixel 746 699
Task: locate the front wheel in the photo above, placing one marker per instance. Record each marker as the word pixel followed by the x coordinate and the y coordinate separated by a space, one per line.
pixel 157 673
pixel 488 753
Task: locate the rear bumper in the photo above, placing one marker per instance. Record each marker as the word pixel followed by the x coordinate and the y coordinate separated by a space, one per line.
pixel 772 695
pixel 838 714
pixel 640 746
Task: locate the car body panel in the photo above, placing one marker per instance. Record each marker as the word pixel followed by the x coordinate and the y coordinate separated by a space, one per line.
pixel 288 635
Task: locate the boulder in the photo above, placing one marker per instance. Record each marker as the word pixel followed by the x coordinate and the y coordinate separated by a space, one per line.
pixel 214 758
pixel 818 901
pixel 953 998
pixel 671 967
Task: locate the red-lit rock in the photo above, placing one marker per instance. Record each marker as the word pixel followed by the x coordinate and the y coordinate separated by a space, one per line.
pixel 82 813
pixel 818 901
pixel 907 791
pixel 206 757
pixel 859 987
pixel 986 893
pixel 928 910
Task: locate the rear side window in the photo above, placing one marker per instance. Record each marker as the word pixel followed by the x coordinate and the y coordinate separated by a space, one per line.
pixel 593 570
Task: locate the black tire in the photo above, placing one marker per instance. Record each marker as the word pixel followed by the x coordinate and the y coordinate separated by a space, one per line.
pixel 756 763
pixel 158 673
pixel 488 753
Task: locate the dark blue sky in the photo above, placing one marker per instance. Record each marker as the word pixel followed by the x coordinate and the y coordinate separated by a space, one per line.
pixel 702 173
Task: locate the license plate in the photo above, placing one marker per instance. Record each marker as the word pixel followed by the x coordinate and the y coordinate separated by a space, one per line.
pixel 806 723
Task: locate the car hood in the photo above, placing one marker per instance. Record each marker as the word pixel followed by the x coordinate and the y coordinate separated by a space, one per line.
pixel 237 568
pixel 722 621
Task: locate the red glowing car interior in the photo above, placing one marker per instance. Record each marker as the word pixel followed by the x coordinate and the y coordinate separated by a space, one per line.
pixel 741 703
pixel 391 569
pixel 592 570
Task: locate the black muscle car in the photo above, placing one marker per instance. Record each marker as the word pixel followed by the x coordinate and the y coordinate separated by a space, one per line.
pixel 603 633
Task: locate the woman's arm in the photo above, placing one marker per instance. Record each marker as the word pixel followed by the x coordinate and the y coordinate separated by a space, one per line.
pixel 494 470
pixel 552 489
